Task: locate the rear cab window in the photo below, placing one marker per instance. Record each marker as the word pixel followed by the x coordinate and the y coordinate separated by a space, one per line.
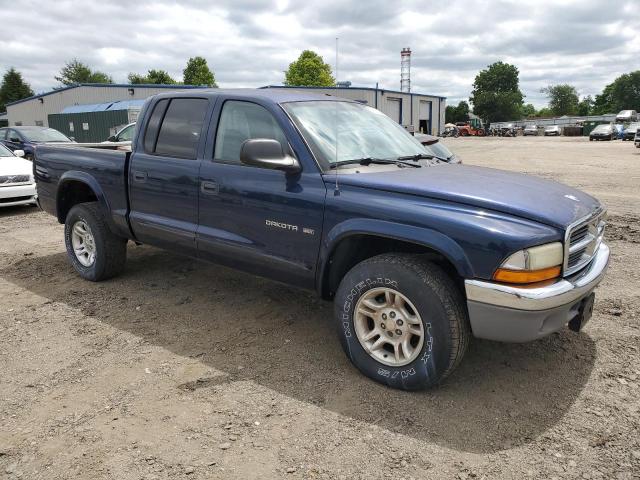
pixel 175 127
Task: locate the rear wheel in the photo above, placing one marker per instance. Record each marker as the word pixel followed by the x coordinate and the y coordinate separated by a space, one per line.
pixel 402 321
pixel 94 251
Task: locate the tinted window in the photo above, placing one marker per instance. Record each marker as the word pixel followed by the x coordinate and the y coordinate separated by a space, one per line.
pixel 180 131
pixel 126 134
pixel 3 133
pixel 153 124
pixel 242 121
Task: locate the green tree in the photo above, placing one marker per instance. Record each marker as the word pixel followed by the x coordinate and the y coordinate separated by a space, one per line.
pixel 496 94
pixel 563 99
pixel 544 112
pixel 197 72
pixel 622 94
pixel 309 70
pixel 528 111
pixel 155 77
pixel 13 88
pixel 75 72
pixel 459 113
pixel 585 106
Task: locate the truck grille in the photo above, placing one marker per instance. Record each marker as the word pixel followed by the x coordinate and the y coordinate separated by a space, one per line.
pixel 582 242
pixel 9 179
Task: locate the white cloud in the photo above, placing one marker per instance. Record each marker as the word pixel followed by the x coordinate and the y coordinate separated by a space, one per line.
pixel 250 43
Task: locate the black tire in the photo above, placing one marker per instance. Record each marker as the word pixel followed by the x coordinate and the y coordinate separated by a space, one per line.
pixel 437 299
pixel 110 250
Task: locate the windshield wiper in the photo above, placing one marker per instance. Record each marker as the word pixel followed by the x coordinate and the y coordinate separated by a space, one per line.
pixel 369 160
pixel 424 156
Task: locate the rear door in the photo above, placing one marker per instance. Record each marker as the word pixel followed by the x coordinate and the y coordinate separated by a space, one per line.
pixel 263 221
pixel 163 175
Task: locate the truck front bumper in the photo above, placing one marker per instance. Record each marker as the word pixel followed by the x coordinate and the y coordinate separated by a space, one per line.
pixel 520 314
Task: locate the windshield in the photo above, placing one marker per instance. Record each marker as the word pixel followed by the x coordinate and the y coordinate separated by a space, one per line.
pixel 439 150
pixel 602 128
pixel 357 130
pixel 5 152
pixel 126 134
pixel 44 135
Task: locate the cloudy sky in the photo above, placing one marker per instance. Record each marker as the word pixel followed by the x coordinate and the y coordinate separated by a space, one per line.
pixel 249 43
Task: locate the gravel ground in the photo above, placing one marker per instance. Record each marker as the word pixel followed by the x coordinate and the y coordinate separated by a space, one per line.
pixel 179 369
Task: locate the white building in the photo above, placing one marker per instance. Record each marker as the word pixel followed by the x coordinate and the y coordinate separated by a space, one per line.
pixel 417 111
pixel 35 110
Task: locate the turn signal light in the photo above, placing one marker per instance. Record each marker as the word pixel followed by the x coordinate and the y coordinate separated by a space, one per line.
pixel 526 276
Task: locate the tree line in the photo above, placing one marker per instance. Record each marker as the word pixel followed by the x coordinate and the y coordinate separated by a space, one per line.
pixel 495 96
pixel 14 87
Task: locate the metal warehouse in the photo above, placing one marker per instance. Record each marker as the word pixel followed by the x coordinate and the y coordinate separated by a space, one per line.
pixel 36 110
pixel 416 111
pixel 94 123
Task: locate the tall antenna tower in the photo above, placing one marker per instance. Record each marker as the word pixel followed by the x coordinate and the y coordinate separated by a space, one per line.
pixel 405 70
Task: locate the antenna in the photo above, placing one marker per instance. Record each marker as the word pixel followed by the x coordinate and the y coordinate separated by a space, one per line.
pixel 336 191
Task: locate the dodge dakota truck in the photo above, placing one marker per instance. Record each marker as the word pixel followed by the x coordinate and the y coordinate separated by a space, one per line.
pixel 323 193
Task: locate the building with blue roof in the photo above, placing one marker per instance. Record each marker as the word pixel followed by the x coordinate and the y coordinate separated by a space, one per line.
pixel 36 110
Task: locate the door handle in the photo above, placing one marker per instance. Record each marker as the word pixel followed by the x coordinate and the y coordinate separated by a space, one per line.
pixel 209 188
pixel 140 176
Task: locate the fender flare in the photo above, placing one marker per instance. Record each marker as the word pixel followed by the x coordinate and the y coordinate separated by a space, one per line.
pixel 422 236
pixel 92 183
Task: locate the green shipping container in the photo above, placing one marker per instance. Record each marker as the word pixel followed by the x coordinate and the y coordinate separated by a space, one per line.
pixel 587 127
pixel 89 127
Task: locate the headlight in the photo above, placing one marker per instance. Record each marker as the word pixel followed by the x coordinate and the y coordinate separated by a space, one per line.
pixel 530 265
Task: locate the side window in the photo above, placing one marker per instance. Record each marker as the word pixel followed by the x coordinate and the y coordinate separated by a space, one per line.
pixel 180 131
pixel 151 133
pixel 3 133
pixel 126 134
pixel 240 121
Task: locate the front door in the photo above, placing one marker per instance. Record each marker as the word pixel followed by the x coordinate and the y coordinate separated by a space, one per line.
pixel 163 176
pixel 263 221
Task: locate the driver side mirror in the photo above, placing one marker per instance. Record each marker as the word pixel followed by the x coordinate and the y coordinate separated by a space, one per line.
pixel 267 153
pixel 18 153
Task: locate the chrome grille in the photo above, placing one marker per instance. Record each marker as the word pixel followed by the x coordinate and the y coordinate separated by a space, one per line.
pixel 582 241
pixel 7 179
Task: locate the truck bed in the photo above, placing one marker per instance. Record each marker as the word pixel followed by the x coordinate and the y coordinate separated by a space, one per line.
pixel 105 170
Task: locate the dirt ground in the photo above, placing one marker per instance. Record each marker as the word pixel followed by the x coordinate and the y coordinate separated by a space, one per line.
pixel 179 369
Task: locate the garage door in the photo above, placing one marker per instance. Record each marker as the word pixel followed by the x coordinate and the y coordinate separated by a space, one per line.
pixel 424 116
pixel 394 109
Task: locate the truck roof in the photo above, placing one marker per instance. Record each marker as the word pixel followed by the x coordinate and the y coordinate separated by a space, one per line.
pixel 277 96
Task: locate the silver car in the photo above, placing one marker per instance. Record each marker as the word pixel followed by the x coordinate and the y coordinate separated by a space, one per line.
pixel 552 130
pixel 530 130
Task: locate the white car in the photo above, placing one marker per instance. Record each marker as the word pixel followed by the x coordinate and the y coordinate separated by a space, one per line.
pixel 552 130
pixel 123 136
pixel 17 186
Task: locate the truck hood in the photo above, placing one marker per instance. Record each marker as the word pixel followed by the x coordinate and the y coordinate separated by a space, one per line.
pixel 526 196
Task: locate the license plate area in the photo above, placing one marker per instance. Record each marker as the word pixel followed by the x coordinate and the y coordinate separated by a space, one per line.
pixel 585 312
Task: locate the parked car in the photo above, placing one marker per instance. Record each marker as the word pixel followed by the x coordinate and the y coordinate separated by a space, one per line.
pixel 124 135
pixel 602 132
pixel 627 116
pixel 439 149
pixel 26 138
pixel 17 186
pixel 630 131
pixel 552 130
pixel 530 130
pixel 417 255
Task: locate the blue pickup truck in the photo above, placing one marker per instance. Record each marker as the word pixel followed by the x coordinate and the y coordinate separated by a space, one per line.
pixel 418 255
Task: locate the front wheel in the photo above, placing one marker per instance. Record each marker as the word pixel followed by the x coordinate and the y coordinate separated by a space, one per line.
pixel 402 321
pixel 94 251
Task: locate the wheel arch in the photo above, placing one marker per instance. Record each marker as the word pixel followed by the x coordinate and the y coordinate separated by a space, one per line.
pixel 79 187
pixel 358 239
